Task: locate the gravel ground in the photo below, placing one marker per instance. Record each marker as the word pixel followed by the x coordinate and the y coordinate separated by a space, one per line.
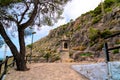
pixel 46 71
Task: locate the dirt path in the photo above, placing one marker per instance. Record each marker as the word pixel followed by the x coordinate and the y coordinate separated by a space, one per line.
pixel 46 71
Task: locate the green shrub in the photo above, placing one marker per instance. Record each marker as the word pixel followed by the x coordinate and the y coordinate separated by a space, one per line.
pixel 87 54
pixel 93 34
pixel 87 13
pixel 96 19
pixel 108 3
pixel 118 4
pixel 78 27
pixel 108 10
pixel 47 56
pixel 118 41
pixel 117 1
pixel 92 43
pixel 96 11
pixel 29 46
pixel 105 33
pixel 7 2
pixel 115 51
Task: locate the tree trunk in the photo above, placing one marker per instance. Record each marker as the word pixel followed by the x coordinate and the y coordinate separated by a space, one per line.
pixel 21 63
pixel 8 41
pixel 19 56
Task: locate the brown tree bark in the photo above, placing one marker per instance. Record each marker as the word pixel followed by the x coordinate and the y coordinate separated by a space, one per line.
pixel 8 41
pixel 21 63
pixel 19 56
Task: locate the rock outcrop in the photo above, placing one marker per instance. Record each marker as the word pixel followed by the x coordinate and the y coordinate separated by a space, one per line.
pixel 86 33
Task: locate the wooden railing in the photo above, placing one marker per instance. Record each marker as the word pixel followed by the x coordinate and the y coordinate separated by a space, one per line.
pixel 106 49
pixel 4 66
pixel 34 59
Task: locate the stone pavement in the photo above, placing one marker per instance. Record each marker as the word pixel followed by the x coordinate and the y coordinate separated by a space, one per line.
pixel 98 71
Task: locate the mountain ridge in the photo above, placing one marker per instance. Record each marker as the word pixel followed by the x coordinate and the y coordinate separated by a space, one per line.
pixel 86 33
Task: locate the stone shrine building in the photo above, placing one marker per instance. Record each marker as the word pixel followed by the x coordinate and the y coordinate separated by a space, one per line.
pixel 64 48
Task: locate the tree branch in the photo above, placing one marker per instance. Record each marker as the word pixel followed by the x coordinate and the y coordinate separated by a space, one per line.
pixel 31 19
pixel 8 41
pixel 8 18
pixel 23 14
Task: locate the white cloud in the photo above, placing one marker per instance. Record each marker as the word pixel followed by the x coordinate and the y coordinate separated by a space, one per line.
pixel 71 11
pixel 77 7
pixel 60 22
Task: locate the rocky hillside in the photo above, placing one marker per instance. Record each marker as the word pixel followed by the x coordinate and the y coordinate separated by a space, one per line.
pixel 87 32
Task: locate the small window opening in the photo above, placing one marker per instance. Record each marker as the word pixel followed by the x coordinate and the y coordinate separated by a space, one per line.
pixel 65 45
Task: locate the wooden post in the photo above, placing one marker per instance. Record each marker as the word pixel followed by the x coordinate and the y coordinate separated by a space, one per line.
pixel 0 66
pixel 107 55
pixel 107 60
pixel 13 62
pixel 5 67
pixel 106 52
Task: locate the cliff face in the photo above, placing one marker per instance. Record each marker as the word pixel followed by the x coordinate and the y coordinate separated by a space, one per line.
pixel 87 32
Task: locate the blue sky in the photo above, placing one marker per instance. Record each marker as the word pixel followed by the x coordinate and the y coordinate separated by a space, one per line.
pixel 72 10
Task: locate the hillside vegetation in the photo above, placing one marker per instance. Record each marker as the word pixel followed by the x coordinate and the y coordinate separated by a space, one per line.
pixel 86 33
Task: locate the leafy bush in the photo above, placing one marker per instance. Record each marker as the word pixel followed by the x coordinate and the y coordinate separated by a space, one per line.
pixel 7 2
pixel 87 13
pixel 51 56
pixel 96 11
pixel 87 54
pixel 93 34
pixel 117 1
pixel 29 46
pixel 115 51
pixel 105 33
pixel 109 3
pixel 47 55
pixel 108 10
pixel 118 41
pixel 92 43
pixel 78 27
pixel 96 19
